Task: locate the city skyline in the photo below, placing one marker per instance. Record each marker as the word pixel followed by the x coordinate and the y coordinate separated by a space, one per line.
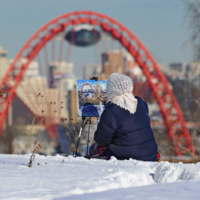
pixel 152 22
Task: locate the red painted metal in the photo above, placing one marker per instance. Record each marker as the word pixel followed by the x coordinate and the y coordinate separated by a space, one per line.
pixel 70 46
pixel 169 108
pixel 85 85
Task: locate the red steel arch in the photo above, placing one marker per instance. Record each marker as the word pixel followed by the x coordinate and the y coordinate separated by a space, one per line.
pixel 173 118
pixel 84 85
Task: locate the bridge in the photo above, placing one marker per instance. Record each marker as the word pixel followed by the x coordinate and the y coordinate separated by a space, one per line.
pixel 174 122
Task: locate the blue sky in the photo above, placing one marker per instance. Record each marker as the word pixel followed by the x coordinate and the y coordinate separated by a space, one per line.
pixel 92 83
pixel 159 24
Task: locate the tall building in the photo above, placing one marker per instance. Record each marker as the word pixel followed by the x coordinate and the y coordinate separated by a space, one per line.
pixel 112 61
pixel 69 98
pixel 50 100
pixel 72 106
pixel 59 70
pixel 4 63
pixel 28 100
pixel 62 67
pixel 91 70
pixel 31 85
pixel 120 61
pixel 63 79
pixel 189 71
pixel 32 70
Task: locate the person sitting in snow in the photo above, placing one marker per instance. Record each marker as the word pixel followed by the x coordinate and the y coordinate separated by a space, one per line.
pixel 124 129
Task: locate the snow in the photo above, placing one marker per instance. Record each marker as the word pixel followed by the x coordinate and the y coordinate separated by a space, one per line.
pixel 80 178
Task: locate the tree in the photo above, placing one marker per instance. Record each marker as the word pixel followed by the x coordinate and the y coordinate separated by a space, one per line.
pixel 193 19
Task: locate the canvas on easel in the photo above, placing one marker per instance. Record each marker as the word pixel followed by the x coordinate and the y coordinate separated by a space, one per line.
pixel 92 97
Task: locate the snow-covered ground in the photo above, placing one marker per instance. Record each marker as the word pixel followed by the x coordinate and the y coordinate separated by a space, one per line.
pixel 82 179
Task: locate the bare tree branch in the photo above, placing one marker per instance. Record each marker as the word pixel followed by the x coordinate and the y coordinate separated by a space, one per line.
pixel 193 18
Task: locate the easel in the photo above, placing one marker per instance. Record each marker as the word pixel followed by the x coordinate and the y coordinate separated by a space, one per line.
pixel 82 127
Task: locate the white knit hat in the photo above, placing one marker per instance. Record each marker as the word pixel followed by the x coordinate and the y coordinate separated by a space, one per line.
pixel 119 91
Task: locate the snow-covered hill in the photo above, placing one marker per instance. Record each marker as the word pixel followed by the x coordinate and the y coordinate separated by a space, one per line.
pixel 82 179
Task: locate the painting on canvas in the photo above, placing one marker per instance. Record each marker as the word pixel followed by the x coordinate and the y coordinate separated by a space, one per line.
pixel 92 97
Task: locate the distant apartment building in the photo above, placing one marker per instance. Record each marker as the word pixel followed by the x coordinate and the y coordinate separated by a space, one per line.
pixel 112 61
pixel 184 71
pixel 91 70
pixel 62 67
pixel 34 94
pixel 59 70
pixel 50 100
pixel 57 97
pixel 4 65
pixel 120 61
pixel 63 79
pixel 31 85
pixel 69 98
pixel 4 62
pixel 32 70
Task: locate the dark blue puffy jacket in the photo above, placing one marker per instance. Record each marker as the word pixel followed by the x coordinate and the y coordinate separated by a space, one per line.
pixel 127 135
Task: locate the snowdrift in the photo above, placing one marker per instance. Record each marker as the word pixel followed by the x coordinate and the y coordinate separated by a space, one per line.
pixel 80 178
